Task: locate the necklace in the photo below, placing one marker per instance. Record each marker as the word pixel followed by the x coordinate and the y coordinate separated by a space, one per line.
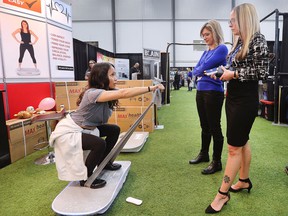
pixel 232 55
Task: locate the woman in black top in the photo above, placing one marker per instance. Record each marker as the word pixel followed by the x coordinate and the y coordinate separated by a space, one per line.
pixel 25 42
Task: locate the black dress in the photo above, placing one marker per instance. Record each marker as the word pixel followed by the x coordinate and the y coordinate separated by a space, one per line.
pixel 241 110
pixel 242 94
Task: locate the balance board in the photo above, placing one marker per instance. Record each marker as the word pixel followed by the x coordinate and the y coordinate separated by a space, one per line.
pixel 28 72
pixel 77 200
pixel 135 142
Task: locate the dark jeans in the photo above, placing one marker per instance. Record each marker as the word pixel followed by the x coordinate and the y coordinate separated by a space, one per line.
pixel 176 85
pixel 209 106
pixel 99 147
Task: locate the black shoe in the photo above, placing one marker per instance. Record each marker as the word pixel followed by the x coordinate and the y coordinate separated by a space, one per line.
pixel 210 210
pixel 240 189
pixel 112 166
pixel 97 183
pixel 213 167
pixel 200 158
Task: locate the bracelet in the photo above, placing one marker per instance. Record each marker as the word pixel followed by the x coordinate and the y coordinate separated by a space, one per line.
pixel 149 89
pixel 235 75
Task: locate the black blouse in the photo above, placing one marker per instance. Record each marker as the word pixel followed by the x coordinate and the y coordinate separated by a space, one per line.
pixel 255 66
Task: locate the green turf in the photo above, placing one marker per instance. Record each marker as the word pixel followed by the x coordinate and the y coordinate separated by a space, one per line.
pixel 160 174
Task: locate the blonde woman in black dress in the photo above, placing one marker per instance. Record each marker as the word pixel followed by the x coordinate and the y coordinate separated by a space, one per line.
pixel 249 63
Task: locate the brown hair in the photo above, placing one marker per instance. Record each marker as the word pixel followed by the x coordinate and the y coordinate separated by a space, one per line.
pixel 99 79
pixel 215 28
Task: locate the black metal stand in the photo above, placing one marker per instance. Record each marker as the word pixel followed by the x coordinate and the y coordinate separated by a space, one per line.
pixel 277 75
pixel 4 144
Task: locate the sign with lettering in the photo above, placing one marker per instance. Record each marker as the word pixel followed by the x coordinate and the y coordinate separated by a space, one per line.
pixel 151 54
pixel 31 5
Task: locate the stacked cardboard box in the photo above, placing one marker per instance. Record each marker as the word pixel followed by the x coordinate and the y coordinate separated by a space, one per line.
pixel 131 108
pixel 140 100
pixel 125 117
pixel 23 136
pixel 67 93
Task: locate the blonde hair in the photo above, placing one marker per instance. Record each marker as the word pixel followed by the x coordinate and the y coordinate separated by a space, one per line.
pixel 215 27
pixel 248 24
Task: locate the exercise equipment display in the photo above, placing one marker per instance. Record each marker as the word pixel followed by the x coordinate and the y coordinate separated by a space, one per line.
pixel 77 200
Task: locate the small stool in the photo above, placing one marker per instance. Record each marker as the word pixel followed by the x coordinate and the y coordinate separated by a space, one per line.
pixel 50 157
pixel 267 110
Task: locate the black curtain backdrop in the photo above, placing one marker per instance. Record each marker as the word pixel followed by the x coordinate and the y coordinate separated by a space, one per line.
pixel 80 59
pixel 164 64
pixel 284 105
pixel 92 50
pixel 84 52
pixel 4 144
pixel 284 49
pixel 272 65
pixel 283 68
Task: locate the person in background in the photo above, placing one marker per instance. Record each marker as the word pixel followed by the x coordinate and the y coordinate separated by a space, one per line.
pixel 189 79
pixel 91 63
pixel 182 80
pixel 176 82
pixel 248 62
pixel 78 130
pixel 210 96
pixel 135 71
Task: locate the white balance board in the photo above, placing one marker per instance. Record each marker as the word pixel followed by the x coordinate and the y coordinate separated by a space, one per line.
pixel 28 72
pixel 135 142
pixel 77 200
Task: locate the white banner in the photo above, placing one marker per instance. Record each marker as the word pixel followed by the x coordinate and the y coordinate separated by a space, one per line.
pixel 59 12
pixel 24 43
pixel 61 52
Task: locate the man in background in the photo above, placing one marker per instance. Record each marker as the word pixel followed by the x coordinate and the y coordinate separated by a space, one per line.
pixel 135 71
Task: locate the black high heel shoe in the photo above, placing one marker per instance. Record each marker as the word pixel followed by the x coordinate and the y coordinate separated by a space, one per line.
pixel 240 189
pixel 210 210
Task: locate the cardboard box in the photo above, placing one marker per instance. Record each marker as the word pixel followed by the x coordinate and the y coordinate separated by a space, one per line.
pixel 140 100
pixel 67 94
pixel 23 136
pixel 125 117
pixel 133 83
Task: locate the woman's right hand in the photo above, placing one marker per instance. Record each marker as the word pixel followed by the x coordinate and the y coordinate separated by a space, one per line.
pixel 227 74
pixel 158 86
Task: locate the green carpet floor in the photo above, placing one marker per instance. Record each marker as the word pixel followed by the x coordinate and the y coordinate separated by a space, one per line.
pixel 160 174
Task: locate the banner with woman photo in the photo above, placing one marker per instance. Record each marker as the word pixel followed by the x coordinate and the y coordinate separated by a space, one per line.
pixel 24 43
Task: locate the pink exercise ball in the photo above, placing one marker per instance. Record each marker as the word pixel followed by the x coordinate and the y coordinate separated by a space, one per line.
pixel 47 103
